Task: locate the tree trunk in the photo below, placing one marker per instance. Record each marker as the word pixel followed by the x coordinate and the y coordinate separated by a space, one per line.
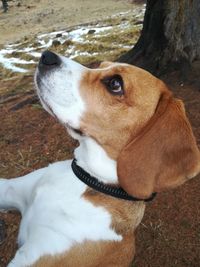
pixel 170 37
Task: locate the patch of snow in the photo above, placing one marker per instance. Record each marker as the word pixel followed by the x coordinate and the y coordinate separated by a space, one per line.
pixel 13 45
pixel 77 35
pixel 8 64
pixel 35 54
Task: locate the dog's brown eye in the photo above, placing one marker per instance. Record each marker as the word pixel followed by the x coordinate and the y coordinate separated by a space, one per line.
pixel 114 84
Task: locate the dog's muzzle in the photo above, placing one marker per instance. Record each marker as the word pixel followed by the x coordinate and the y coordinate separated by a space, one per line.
pixel 57 80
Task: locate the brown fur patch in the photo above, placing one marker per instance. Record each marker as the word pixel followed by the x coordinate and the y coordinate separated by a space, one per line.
pixel 126 215
pixel 93 254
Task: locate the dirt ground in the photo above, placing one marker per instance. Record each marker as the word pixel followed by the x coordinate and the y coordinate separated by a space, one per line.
pixel 29 17
pixel 169 234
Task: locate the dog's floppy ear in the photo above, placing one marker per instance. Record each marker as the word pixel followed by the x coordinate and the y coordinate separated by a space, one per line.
pixel 163 155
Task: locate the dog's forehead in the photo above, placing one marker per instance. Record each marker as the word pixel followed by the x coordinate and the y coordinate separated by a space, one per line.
pixel 124 70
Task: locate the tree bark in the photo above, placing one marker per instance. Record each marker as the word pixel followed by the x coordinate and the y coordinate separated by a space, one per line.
pixel 170 37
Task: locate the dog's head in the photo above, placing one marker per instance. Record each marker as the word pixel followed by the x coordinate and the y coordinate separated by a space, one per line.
pixel 130 113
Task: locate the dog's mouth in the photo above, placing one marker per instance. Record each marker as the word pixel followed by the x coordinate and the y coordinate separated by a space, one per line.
pixel 76 131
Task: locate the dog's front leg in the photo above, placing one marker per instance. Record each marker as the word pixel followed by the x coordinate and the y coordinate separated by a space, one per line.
pixel 16 193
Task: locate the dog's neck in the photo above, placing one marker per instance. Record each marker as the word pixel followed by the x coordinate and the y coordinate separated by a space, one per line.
pixel 93 159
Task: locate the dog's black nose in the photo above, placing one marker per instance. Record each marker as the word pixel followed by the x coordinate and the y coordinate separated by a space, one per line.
pixel 48 58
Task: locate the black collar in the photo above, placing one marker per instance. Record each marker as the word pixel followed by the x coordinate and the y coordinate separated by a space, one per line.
pixel 111 190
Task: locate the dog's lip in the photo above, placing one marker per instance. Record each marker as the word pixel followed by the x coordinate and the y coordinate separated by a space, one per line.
pixel 77 131
pixel 37 80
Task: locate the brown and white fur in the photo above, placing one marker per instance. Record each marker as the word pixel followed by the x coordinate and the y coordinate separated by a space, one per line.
pixel 132 132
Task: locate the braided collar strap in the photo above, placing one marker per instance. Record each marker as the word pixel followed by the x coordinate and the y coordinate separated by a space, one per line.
pixel 107 189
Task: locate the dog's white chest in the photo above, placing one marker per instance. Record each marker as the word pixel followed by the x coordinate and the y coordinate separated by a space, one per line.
pixel 59 214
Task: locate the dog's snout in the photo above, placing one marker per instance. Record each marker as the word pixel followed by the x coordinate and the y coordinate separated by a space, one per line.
pixel 49 59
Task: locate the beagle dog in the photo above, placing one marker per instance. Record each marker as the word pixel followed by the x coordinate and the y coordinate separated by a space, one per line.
pixel 135 140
